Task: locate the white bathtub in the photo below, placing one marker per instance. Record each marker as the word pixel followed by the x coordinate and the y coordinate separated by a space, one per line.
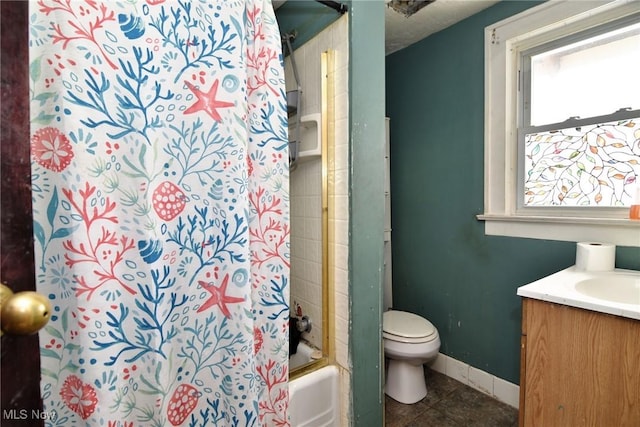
pixel 313 397
pixel 302 356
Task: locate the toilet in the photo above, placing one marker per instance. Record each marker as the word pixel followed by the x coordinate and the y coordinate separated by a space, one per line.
pixel 409 341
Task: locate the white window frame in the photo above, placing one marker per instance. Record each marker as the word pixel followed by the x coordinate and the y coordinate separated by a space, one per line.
pixel 503 43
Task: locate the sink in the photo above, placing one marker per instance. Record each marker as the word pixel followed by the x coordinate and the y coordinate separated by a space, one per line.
pixel 619 288
pixel 614 292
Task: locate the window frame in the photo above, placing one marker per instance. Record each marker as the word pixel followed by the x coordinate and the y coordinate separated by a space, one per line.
pixel 504 43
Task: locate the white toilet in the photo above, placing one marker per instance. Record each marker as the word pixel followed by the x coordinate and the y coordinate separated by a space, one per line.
pixel 410 341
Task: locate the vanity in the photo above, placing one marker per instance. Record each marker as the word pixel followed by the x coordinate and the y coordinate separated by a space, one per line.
pixel 580 350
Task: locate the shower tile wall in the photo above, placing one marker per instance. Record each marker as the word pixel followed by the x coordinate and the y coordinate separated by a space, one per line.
pixel 305 191
pixel 306 245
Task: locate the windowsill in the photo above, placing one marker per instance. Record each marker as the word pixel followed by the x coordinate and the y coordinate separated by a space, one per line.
pixel 618 231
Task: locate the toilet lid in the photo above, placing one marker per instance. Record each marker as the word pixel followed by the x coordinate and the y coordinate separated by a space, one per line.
pixel 408 325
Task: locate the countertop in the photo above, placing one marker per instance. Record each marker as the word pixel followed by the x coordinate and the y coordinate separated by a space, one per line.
pixel 560 288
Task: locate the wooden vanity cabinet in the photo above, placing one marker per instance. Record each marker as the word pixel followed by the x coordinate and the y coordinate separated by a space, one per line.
pixel 578 367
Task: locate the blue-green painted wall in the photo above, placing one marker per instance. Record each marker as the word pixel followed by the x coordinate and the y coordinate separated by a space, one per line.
pixel 305 19
pixel 366 209
pixel 444 267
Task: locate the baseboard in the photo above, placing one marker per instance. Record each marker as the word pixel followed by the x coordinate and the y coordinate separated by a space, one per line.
pixel 489 384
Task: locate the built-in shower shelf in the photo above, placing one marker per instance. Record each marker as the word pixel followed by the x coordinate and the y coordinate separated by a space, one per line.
pixel 310 136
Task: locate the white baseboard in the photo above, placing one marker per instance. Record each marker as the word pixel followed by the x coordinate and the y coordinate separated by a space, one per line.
pixel 489 384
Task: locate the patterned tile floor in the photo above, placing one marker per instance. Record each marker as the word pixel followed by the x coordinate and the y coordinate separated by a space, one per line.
pixel 450 403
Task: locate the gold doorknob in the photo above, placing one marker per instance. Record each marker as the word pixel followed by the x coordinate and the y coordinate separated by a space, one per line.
pixel 22 313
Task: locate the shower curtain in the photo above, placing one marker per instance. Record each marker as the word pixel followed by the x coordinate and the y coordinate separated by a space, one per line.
pixel 160 193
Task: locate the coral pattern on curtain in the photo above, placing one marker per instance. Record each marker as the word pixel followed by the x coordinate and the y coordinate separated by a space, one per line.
pixel 160 191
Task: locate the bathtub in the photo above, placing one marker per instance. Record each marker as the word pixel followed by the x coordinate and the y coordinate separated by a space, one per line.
pixel 313 397
pixel 302 356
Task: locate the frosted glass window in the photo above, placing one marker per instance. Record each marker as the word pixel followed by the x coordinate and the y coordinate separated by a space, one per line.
pixel 591 77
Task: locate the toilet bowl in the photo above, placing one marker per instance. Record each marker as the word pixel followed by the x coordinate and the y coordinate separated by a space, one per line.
pixel 409 341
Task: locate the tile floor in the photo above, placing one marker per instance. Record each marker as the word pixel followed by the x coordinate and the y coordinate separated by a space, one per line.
pixel 449 403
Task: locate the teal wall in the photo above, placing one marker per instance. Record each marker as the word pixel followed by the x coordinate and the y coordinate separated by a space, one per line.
pixel 366 208
pixel 444 267
pixel 305 19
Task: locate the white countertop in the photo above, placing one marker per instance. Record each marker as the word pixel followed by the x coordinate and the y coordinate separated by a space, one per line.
pixel 560 288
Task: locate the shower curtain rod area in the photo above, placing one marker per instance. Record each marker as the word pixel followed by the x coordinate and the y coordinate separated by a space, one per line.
pixel 339 7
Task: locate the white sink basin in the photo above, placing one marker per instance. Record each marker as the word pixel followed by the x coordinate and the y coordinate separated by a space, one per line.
pixel 618 288
pixel 614 292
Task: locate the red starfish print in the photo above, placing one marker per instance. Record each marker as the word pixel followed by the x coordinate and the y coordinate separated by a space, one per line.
pixel 218 296
pixel 207 102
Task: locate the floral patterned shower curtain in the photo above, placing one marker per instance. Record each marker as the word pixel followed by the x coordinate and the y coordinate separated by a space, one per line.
pixel 160 191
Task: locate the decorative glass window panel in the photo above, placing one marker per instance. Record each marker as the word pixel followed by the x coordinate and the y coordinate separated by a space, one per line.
pixel 595 165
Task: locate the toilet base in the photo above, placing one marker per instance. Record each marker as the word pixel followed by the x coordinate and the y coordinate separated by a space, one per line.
pixel 405 382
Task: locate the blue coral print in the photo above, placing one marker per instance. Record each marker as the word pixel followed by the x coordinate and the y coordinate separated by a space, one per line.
pixel 160 194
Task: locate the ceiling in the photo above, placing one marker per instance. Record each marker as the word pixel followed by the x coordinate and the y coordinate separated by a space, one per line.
pixel 402 31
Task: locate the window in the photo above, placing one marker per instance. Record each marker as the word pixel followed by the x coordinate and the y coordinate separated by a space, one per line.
pixel 562 122
pixel 579 131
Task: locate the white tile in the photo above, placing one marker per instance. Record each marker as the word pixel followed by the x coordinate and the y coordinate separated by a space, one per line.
pixel 301 291
pixel 341 354
pixel 297 247
pixel 341 207
pixel 297 207
pixel 308 274
pixel 314 250
pixel 293 272
pixel 481 380
pixel 341 255
pixel 296 185
pixel 341 80
pixel 478 379
pixel 341 306
pixel 440 364
pixel 312 184
pixel 313 206
pixel 311 73
pixel 457 370
pixel 345 396
pixel 339 32
pixel 342 232
pixel 342 330
pixel 341 182
pixel 341 282
pixel 308 228
pixel 315 298
pixel 342 133
pixel 342 141
pixel 313 228
pixel 506 392
pixel 342 105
